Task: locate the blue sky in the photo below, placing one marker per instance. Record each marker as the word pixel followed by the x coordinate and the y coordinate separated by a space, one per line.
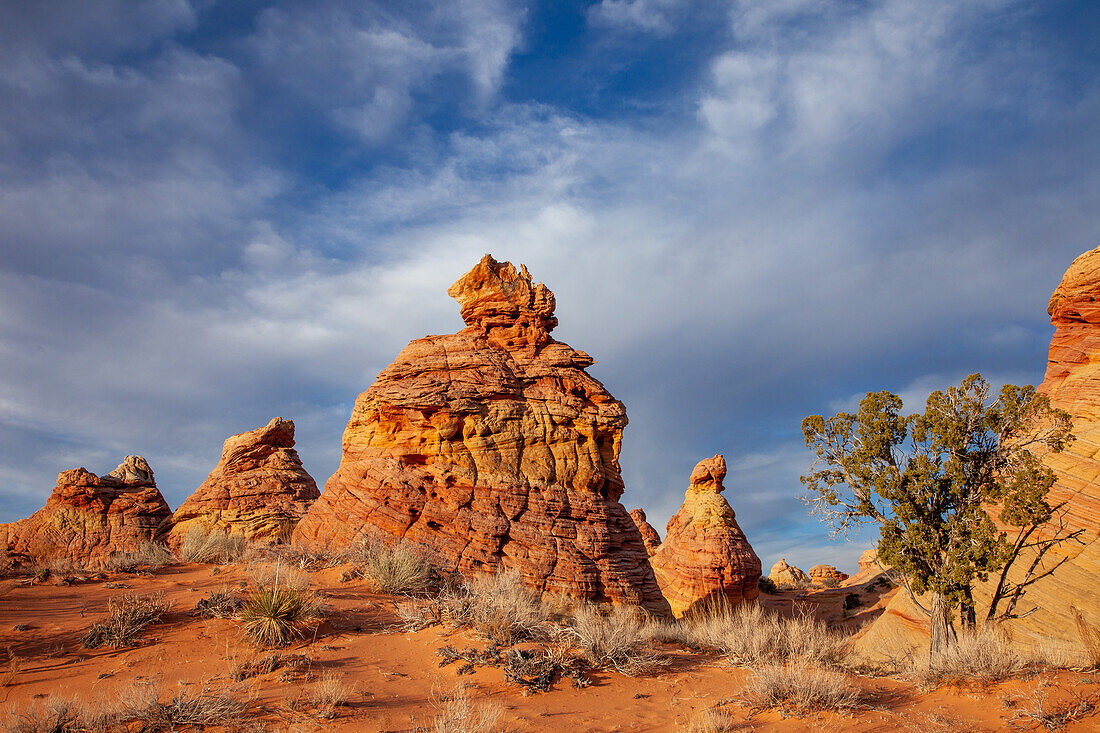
pixel 213 213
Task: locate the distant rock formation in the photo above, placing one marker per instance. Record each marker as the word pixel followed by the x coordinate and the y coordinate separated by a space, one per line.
pixel 89 517
pixel 259 488
pixel 649 534
pixel 783 574
pixel 495 450
pixel 869 559
pixel 705 555
pixel 826 575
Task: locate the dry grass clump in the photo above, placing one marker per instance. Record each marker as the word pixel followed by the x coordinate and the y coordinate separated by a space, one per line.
pixel 750 635
pixel 799 687
pixel 500 608
pixel 618 640
pixel 1036 710
pixel 263 574
pixel 275 615
pixel 149 555
pixel 392 568
pixel 222 603
pixel 207 707
pixel 216 546
pixel 61 715
pixel 981 656
pixel 329 693
pixel 1090 637
pixel 711 720
pixel 458 714
pixel 126 618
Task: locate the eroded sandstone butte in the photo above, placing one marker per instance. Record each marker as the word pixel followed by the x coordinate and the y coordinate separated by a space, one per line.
pixel 705 556
pixel 89 517
pixel 259 488
pixel 649 534
pixel 826 575
pixel 494 449
pixel 784 574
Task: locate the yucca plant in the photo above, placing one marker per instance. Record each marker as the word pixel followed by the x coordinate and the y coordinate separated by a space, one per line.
pixel 276 614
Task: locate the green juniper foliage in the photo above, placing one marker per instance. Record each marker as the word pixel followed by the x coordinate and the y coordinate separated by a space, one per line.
pixel 932 480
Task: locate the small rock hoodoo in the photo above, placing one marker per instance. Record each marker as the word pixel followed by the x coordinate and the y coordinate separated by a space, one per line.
pixel 705 555
pixel 258 489
pixel 87 518
pixel 495 450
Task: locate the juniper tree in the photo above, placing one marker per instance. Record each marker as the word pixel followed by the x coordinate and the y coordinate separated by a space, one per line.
pixel 933 483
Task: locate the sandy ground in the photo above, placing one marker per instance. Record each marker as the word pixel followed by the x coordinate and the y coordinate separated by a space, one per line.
pixel 397 680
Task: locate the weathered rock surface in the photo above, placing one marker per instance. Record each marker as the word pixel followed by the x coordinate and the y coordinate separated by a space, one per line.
pixel 705 555
pixel 494 449
pixel 869 559
pixel 89 517
pixel 1073 384
pixel 649 534
pixel 258 489
pixel 783 574
pixel 826 575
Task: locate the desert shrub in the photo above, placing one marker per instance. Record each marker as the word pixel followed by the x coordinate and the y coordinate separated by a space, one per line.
pixel 61 715
pixel 263 574
pixel 711 720
pixel 852 601
pixel 392 568
pixel 213 546
pixel 1033 709
pixel 275 615
pixel 208 707
pixel 799 687
pixel 329 693
pixel 126 618
pixel 617 640
pixel 222 603
pixel 749 635
pixel 149 555
pixel 458 714
pixel 767 585
pixel 830 583
pixel 500 608
pixel 980 656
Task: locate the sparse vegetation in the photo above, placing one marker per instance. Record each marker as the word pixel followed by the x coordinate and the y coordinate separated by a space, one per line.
pixel 214 546
pixel 60 715
pixel 208 707
pixel 149 556
pixel 1036 710
pixel 392 568
pixel 1089 635
pixel 799 687
pixel 982 656
pixel 711 720
pixel 457 713
pixel 222 603
pixel 749 635
pixel 852 601
pixel 275 615
pixel 329 693
pixel 126 618
pixel 615 640
pixel 767 585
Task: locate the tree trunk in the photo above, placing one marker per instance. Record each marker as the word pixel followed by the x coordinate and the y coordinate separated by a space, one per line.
pixel 942 635
pixel 967 612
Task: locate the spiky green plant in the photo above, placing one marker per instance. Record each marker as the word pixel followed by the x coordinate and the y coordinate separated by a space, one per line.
pixel 276 614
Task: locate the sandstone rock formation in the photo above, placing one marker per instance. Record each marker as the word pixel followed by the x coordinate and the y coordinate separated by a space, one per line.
pixel 826 575
pixel 1073 384
pixel 785 575
pixel 258 489
pixel 495 450
pixel 869 559
pixel 649 534
pixel 705 555
pixel 89 517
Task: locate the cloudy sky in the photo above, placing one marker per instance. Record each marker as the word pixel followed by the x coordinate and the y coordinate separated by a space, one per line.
pixel 212 213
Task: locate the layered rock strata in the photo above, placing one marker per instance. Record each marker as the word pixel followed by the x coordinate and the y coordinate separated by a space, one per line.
pixel 649 534
pixel 259 488
pixel 494 449
pixel 786 575
pixel 868 560
pixel 826 575
pixel 88 518
pixel 705 556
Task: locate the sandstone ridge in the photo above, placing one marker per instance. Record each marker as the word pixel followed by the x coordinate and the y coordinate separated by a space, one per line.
pixel 495 450
pixel 649 534
pixel 786 575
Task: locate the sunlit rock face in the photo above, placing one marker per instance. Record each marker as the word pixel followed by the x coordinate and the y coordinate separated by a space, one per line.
pixel 494 449
pixel 784 574
pixel 649 534
pixel 259 488
pixel 705 556
pixel 826 575
pixel 88 518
